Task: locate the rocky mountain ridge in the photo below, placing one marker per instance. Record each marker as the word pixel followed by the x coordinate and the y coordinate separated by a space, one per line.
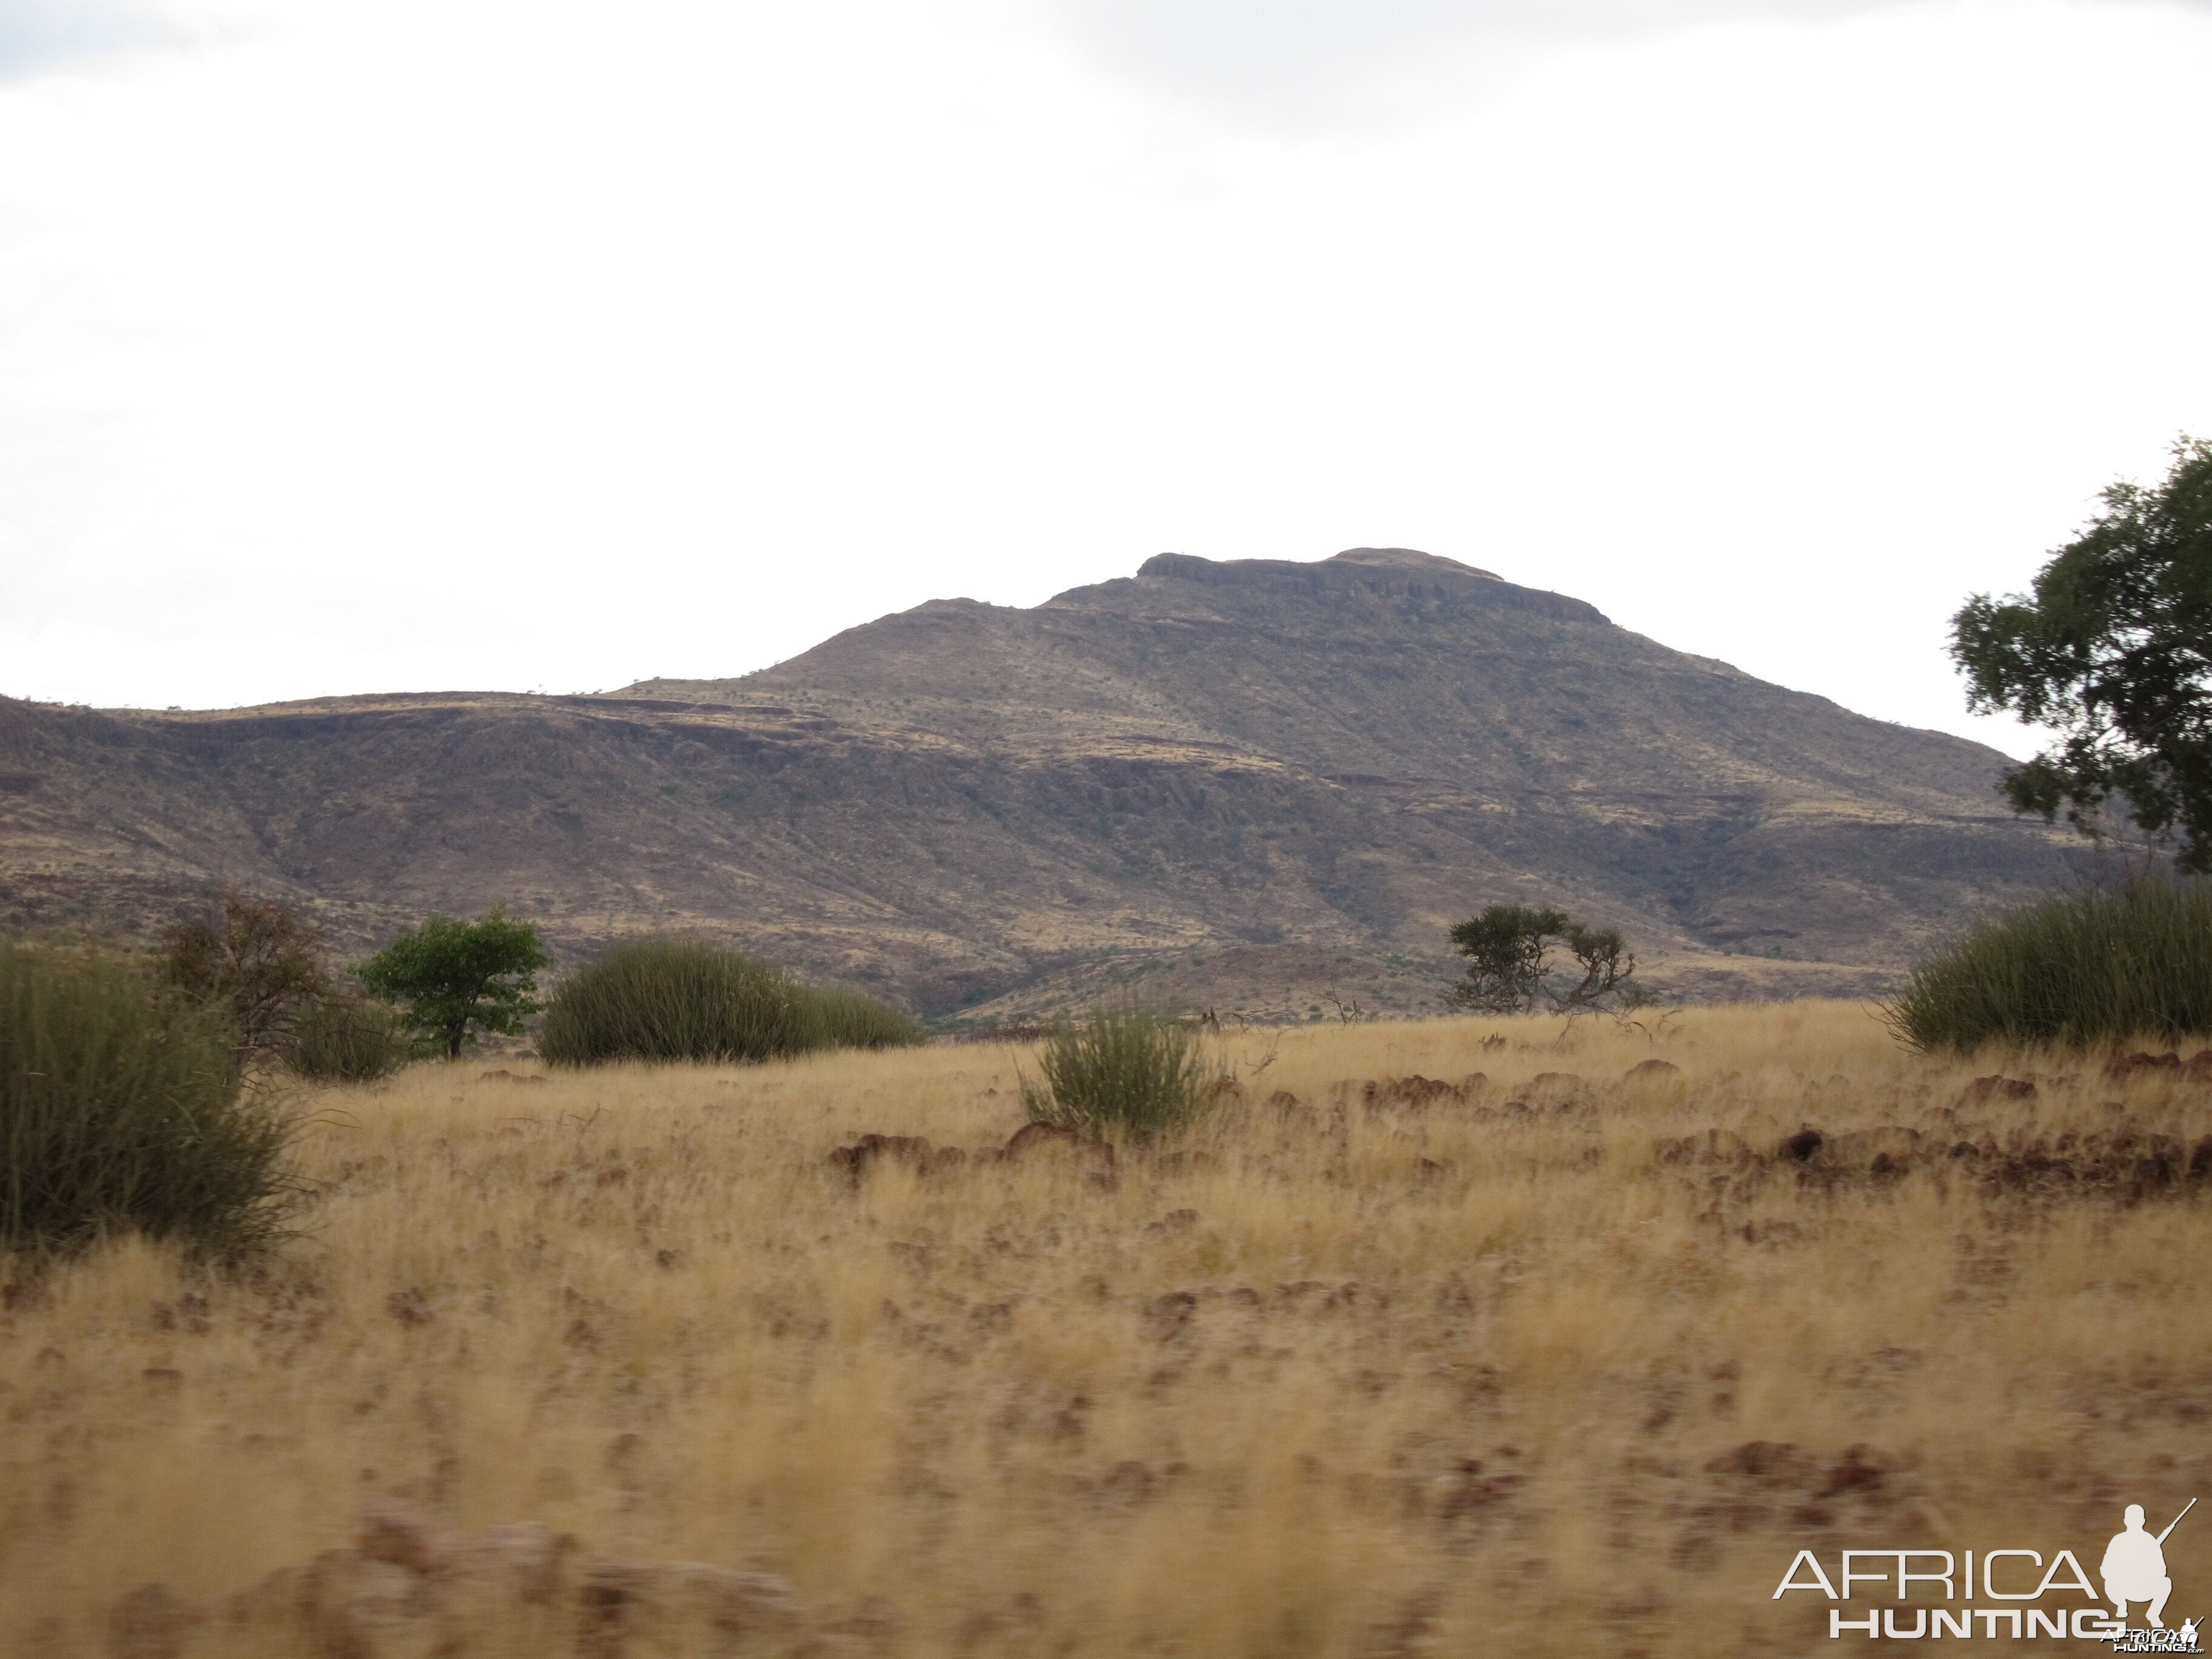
pixel 1259 785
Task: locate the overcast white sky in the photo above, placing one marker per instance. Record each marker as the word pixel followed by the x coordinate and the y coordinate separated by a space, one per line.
pixel 354 345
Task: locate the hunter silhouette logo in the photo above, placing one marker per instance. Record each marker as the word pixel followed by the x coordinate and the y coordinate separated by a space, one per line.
pixel 2134 1567
pixel 2133 1570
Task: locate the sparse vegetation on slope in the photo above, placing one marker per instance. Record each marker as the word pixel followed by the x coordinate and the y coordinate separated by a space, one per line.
pixel 121 1110
pixel 2092 965
pixel 1518 1351
pixel 690 999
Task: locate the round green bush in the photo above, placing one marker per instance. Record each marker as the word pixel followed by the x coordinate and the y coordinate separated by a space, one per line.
pixel 120 1109
pixel 689 1000
pixel 1126 1072
pixel 2098 964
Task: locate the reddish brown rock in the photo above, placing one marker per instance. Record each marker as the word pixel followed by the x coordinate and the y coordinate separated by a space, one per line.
pixel 396 1532
pixel 1032 1138
pixel 911 1150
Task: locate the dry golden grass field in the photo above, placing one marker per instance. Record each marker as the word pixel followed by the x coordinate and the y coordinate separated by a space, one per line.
pixel 1513 1369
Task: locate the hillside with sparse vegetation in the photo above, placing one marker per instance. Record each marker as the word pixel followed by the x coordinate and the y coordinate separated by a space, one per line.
pixel 1261 787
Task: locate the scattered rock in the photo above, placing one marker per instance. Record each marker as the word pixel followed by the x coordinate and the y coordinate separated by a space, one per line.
pixel 1714 1147
pixel 1032 1138
pixel 523 1558
pixel 617 1594
pixel 1856 1470
pixel 1131 1480
pixel 396 1532
pixel 2120 1065
pixel 409 1307
pixel 1414 1090
pixel 2001 1088
pixel 1867 1144
pixel 1774 1462
pixel 1169 1316
pixel 911 1149
pixel 1801 1146
pixel 1468 1492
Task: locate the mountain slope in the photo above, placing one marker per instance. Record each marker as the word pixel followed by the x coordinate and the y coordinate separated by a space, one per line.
pixel 1260 781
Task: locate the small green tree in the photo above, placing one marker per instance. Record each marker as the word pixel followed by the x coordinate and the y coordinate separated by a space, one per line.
pixel 258 961
pixel 1509 947
pixel 2115 649
pixel 450 975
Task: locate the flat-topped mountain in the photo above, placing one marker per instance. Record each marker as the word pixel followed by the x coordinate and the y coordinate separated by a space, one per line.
pixel 1258 782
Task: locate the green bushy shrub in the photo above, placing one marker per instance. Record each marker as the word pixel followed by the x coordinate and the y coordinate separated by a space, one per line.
pixel 2095 965
pixel 348 1040
pixel 688 999
pixel 1127 1072
pixel 854 1019
pixel 120 1109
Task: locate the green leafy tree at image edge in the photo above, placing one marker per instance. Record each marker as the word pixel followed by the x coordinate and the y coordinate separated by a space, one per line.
pixel 1508 948
pixel 2114 650
pixel 450 975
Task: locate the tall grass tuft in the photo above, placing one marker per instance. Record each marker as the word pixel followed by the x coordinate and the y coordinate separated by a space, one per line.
pixel 2094 965
pixel 689 1000
pixel 120 1109
pixel 1127 1072
pixel 347 1040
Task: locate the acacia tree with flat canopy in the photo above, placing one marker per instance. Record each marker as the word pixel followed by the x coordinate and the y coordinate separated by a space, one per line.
pixel 2114 648
pixel 1508 948
pixel 452 974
